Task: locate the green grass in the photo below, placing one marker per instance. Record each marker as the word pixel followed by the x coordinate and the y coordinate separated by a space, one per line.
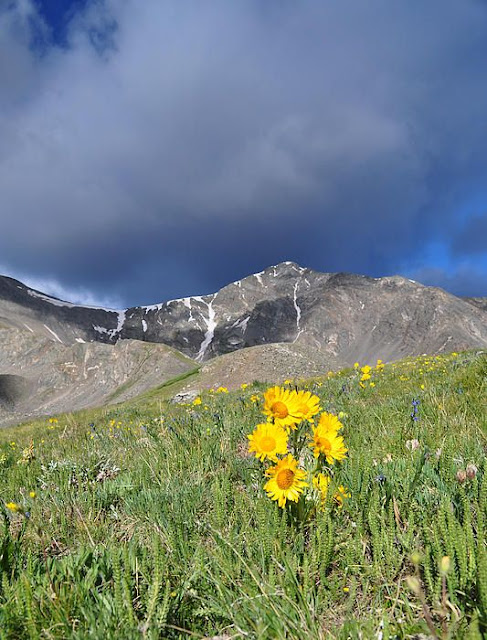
pixel 150 520
pixel 164 391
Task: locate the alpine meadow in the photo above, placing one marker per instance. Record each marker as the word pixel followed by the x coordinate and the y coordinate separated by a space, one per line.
pixel 350 505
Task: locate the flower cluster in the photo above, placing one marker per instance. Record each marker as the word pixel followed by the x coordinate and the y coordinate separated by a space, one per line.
pixel 414 413
pixel 300 448
pixel 366 373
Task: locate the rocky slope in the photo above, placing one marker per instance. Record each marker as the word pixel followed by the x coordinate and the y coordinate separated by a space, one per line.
pixel 481 303
pixel 40 376
pixel 57 356
pixel 27 309
pixel 271 363
pixel 342 316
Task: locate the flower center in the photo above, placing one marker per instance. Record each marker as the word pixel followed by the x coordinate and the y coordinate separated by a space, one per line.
pixel 268 443
pixel 323 444
pixel 279 409
pixel 285 478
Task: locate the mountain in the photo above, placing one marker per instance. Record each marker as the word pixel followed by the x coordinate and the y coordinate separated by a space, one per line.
pixel 30 310
pixel 40 376
pixel 344 316
pixel 327 320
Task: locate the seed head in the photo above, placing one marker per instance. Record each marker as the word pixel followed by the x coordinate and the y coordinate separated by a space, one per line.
pixel 445 565
pixel 471 471
pixel 461 476
pixel 413 584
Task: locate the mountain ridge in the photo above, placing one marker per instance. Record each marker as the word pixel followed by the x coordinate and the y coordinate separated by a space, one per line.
pixel 283 303
pixel 58 356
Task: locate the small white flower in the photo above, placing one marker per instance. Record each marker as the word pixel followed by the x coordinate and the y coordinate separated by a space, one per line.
pixel 412 445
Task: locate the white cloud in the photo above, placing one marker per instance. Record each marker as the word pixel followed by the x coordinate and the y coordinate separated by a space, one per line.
pixel 52 287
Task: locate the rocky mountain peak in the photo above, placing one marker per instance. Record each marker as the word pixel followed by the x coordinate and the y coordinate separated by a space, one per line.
pixel 343 316
pixel 285 320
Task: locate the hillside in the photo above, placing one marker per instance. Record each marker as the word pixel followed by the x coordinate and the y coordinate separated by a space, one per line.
pixel 150 519
pixel 39 376
pixel 286 321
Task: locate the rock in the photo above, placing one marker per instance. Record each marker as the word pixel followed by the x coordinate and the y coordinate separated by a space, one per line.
pixel 184 397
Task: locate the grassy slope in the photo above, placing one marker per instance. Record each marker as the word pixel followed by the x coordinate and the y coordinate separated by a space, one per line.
pixel 150 520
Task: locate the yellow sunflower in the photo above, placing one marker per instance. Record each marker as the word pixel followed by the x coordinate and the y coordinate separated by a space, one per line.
pixel 329 444
pixel 341 495
pixel 267 440
pixel 308 405
pixel 329 423
pixel 321 482
pixel 282 407
pixel 286 481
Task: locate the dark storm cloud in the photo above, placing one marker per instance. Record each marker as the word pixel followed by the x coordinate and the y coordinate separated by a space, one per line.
pixel 464 281
pixel 171 147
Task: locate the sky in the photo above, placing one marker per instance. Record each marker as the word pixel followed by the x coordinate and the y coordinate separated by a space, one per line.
pixel 160 149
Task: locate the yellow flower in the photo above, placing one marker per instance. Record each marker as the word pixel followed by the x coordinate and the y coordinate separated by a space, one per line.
pixel 222 390
pixel 321 482
pixel 356 365
pixel 340 496
pixel 13 507
pixel 254 398
pixel 286 481
pixel 32 494
pixel 243 386
pixel 329 444
pixel 268 440
pixel 27 454
pixel 366 369
pixel 282 406
pixel 329 423
pixel 365 376
pixel 197 401
pixel 308 405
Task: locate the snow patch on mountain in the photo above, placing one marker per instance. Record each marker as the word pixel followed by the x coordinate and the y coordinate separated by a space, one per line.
pixel 210 329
